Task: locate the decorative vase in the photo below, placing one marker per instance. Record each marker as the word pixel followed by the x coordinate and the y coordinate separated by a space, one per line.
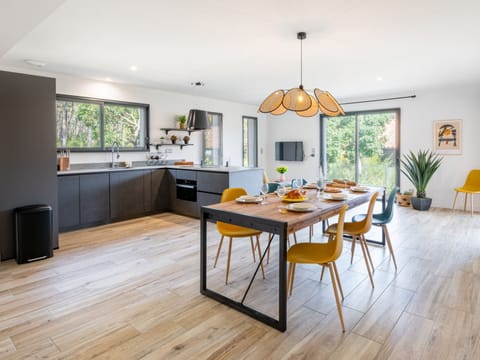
pixel 282 177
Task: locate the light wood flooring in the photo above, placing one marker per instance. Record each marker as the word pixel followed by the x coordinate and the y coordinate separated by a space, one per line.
pixel 131 291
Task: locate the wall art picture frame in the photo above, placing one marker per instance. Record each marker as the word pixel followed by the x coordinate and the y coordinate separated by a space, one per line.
pixel 447 137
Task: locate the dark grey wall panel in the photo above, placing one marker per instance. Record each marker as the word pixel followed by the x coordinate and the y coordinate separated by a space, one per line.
pixel 27 150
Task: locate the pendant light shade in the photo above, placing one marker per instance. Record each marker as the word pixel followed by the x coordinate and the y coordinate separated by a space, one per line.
pixel 299 100
pixel 197 120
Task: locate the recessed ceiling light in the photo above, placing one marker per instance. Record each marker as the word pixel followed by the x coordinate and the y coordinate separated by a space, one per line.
pixel 379 78
pixel 36 63
pixel 133 68
pixel 197 83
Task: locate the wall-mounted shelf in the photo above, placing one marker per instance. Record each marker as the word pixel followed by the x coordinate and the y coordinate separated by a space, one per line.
pixel 181 145
pixel 177 129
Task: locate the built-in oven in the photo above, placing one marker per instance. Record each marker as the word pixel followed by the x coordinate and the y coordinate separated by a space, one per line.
pixel 186 189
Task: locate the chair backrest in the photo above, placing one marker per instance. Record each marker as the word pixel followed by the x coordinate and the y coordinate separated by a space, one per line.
pixel 387 215
pixel 335 242
pixel 473 180
pixel 365 225
pixel 272 187
pixel 230 194
pixel 295 182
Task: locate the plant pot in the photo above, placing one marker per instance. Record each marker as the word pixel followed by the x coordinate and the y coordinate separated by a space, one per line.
pixel 421 204
pixel 182 125
pixel 282 177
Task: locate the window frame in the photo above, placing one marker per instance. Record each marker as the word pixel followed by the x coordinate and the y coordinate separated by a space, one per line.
pixel 219 149
pixel 253 147
pixel 102 103
pixel 323 140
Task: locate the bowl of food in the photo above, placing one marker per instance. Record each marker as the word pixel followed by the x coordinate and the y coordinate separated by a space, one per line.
pixel 294 195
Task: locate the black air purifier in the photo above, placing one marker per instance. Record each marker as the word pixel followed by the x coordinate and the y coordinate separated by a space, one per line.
pixel 33 233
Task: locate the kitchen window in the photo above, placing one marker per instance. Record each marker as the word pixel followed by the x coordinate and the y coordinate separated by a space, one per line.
pixel 85 124
pixel 249 143
pixel 212 148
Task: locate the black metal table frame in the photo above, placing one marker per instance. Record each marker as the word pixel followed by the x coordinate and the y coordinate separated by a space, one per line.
pixel 265 225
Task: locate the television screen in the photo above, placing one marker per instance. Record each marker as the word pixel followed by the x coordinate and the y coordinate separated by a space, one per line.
pixel 289 150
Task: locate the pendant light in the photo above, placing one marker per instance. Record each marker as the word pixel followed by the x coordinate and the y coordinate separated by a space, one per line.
pixel 300 101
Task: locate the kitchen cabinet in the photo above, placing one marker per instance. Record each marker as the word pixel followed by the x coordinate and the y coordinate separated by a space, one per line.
pixel 160 196
pixel 68 202
pixel 127 194
pixel 94 199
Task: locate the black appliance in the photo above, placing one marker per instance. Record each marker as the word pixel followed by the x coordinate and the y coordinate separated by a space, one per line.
pixel 33 233
pixel 289 150
pixel 186 189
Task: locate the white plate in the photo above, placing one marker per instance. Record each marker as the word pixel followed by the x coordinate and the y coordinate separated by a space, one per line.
pixel 249 199
pixel 335 196
pixel 301 207
pixel 359 189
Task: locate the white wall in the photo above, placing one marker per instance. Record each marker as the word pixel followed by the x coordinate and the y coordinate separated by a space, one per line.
pixel 416 124
pixel 164 107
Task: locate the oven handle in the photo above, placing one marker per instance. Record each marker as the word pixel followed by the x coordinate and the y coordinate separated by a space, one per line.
pixel 191 187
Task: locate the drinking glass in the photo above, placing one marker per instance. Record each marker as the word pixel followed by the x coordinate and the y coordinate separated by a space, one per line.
pixel 281 191
pixel 264 192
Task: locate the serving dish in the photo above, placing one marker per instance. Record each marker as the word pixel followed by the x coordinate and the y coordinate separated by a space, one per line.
pixel 337 197
pixel 249 199
pixel 301 207
pixel 359 189
pixel 303 198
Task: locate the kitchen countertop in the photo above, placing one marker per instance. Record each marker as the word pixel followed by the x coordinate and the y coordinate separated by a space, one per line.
pixel 222 169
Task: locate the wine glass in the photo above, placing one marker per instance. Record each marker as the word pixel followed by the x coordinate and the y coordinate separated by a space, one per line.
pixel 281 191
pixel 264 192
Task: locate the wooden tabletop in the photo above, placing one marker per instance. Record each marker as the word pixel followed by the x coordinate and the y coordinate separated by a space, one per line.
pixel 273 208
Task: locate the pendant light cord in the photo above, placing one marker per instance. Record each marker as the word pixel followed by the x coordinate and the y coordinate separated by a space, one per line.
pixel 301 63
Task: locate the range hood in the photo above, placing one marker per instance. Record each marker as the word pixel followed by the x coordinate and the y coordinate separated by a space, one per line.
pixel 197 120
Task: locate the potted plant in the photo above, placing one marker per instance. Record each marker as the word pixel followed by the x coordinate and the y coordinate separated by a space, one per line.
pixel 173 138
pixel 186 139
pixel 419 168
pixel 182 121
pixel 282 170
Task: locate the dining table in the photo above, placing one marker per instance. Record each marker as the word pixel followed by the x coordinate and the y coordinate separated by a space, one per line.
pixel 271 215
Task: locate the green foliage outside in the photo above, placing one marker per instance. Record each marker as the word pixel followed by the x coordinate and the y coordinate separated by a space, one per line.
pixel 79 125
pixel 376 155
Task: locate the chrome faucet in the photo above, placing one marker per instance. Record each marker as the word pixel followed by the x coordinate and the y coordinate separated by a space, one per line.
pixel 115 146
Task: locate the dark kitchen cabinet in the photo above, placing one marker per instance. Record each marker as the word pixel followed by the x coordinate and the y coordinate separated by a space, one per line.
pixel 68 202
pixel 160 196
pixel 94 199
pixel 128 193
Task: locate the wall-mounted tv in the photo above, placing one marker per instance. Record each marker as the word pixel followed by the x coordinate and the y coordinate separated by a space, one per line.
pixel 289 150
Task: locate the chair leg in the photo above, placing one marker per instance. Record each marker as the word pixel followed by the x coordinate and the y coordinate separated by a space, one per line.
pixel 455 200
pixel 253 248
pixel 260 256
pixel 471 204
pixel 228 259
pixel 352 249
pixel 289 275
pixel 362 238
pixel 367 264
pixel 335 292
pixel 269 244
pixel 389 244
pixel 218 251
pixel 323 272
pixel 292 277
pixel 465 202
pixel 310 233
pixel 338 279
pixel 295 238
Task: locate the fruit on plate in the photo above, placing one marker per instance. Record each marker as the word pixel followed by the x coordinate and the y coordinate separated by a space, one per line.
pixel 295 194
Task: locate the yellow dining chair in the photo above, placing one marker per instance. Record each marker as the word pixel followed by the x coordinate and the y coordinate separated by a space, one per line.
pixel 235 231
pixel 323 254
pixel 471 186
pixel 357 230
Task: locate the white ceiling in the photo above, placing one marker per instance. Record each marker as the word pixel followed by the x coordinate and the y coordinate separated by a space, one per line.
pixel 243 50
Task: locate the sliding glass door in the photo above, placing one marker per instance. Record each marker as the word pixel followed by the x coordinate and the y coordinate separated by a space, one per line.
pixel 362 146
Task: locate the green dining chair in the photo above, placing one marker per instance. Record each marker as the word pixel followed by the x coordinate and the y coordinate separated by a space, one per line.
pixel 382 219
